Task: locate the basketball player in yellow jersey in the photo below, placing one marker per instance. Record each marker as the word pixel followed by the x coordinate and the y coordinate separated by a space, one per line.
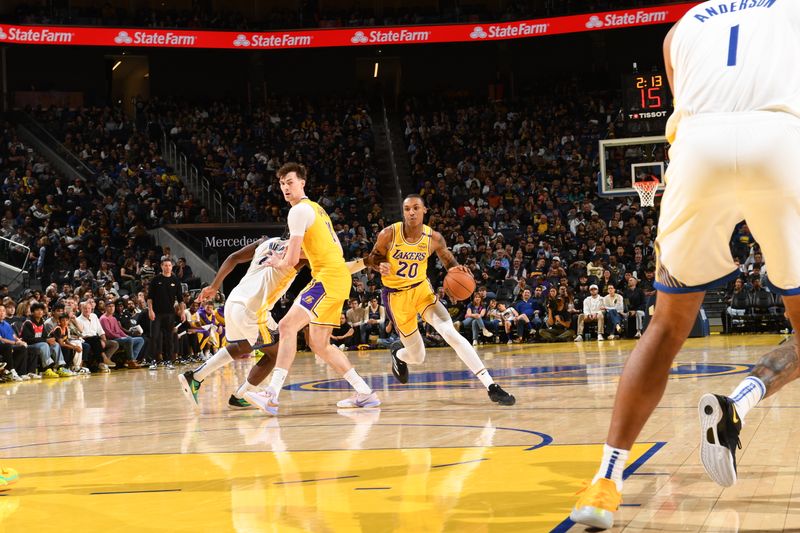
pixel 401 256
pixel 320 304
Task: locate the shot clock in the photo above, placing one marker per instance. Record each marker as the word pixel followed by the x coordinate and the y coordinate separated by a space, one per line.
pixel 647 100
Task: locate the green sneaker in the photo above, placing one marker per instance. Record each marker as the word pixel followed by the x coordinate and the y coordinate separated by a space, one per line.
pixel 190 387
pixel 238 403
pixel 49 374
pixel 8 476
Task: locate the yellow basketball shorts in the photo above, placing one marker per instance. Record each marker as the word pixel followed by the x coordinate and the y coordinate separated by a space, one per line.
pixel 403 305
pixel 323 306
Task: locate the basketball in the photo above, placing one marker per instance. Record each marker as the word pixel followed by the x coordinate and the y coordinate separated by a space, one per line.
pixel 459 285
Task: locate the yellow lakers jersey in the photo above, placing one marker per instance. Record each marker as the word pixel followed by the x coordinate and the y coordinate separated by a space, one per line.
pixel 322 249
pixel 408 260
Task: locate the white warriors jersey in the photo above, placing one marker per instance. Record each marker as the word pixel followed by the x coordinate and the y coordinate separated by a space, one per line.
pixel 736 56
pixel 262 286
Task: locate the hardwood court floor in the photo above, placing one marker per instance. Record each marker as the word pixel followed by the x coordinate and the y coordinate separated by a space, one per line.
pixel 125 452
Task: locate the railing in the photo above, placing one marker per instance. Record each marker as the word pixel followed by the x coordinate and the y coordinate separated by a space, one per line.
pixel 47 138
pixel 392 161
pixel 198 184
pixel 13 260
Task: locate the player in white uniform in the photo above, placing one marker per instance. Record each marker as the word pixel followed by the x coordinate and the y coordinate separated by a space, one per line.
pixel 735 71
pixel 248 314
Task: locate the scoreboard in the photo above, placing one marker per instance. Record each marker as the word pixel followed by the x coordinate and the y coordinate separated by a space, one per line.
pixel 647 102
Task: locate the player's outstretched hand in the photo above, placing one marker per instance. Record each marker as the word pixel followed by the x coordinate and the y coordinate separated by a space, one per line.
pixel 384 269
pixel 208 293
pixel 460 268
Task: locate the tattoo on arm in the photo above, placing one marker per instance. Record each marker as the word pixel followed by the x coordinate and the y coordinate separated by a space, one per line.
pixel 443 252
pixel 778 368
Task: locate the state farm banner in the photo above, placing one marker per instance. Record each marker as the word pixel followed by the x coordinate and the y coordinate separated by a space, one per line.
pixel 384 35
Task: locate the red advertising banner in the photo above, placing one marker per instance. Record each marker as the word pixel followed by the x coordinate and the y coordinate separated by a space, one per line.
pixel 386 35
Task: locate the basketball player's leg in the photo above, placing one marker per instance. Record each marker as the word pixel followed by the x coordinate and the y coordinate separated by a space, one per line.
pixel 771 207
pixel 258 373
pixel 696 222
pixel 319 337
pixel 243 330
pixel 437 316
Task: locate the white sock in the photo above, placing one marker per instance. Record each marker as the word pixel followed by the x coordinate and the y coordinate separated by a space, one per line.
pixel 278 377
pixel 245 387
pixel 485 377
pixel 613 465
pixel 215 362
pixel 357 382
pixel 747 395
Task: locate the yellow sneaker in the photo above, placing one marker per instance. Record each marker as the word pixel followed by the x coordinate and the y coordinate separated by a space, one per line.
pixel 49 374
pixel 597 504
pixel 8 476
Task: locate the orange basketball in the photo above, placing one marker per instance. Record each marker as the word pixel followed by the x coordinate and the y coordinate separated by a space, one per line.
pixel 459 285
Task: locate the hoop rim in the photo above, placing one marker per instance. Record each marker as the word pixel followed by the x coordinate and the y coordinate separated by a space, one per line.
pixel 646 186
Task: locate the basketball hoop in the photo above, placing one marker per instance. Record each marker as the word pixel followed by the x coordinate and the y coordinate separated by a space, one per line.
pixel 647 191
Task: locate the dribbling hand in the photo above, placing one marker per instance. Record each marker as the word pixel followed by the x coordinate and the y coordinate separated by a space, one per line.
pixel 460 268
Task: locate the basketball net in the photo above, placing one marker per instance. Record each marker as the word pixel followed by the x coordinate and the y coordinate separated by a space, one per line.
pixel 647 192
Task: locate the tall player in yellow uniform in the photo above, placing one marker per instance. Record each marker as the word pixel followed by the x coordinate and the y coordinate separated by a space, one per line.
pixel 401 256
pixel 319 305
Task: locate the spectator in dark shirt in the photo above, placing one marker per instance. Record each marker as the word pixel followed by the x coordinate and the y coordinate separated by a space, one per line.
pixel 344 334
pixel 558 322
pixel 163 294
pixel 20 362
pixel 634 297
pixel 48 351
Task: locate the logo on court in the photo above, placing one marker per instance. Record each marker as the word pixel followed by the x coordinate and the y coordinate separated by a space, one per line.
pixel 594 22
pixel 537 376
pixel 241 40
pixel 123 38
pixel 359 38
pixel 478 33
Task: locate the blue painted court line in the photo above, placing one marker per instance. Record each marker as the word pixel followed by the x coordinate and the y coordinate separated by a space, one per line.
pixel 461 463
pixel 632 468
pixel 313 480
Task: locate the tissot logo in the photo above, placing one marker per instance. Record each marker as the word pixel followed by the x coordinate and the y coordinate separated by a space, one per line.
pixel 123 38
pixel 478 33
pixel 594 22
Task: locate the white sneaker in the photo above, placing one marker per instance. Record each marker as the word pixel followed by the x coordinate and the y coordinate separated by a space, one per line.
pixel 612 337
pixel 358 400
pixel 638 335
pixel 34 375
pixel 579 338
pixel 487 333
pixel 600 338
pixel 509 342
pixel 15 376
pixel 343 347
pixel 154 366
pixel 265 400
pixel 474 343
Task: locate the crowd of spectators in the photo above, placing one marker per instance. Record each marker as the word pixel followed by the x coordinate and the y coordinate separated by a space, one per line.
pixel 239 150
pixel 309 15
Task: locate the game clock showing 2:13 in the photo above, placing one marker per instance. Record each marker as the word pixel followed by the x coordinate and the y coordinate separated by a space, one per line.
pixel 647 101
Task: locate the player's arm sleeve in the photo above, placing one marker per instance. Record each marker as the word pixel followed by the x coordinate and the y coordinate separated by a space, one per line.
pixel 301 216
pixel 356 266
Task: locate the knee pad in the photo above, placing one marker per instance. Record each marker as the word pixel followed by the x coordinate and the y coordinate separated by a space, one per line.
pixel 413 351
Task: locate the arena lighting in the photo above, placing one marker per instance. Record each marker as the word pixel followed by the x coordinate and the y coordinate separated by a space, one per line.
pixel 118 63
pixel 375 74
pixel 343 37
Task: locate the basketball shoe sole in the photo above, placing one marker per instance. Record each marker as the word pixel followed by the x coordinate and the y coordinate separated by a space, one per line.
pixel 719 437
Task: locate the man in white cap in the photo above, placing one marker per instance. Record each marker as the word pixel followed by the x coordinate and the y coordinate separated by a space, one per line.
pixel 592 312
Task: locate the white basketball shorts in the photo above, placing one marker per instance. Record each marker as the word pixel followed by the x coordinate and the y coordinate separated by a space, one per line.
pixel 243 324
pixel 725 168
